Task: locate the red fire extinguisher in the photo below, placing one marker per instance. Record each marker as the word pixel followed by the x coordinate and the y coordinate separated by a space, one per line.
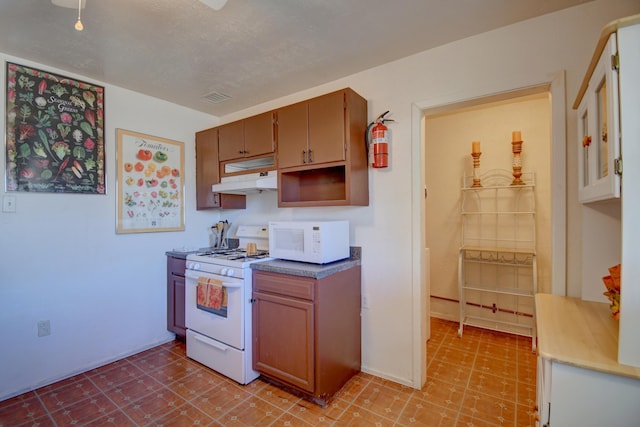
pixel 378 142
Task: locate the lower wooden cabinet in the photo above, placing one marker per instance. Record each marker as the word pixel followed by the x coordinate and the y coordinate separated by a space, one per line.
pixel 306 331
pixel 175 297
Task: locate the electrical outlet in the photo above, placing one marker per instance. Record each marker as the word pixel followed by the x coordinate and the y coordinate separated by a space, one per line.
pixel 9 204
pixel 365 301
pixel 44 328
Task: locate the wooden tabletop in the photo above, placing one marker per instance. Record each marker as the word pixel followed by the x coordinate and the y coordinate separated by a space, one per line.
pixel 579 333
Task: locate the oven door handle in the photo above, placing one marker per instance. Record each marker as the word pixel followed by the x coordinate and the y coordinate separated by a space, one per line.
pixel 195 276
pixel 210 343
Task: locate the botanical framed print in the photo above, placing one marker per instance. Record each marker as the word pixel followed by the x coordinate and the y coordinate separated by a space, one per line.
pixel 150 183
pixel 54 133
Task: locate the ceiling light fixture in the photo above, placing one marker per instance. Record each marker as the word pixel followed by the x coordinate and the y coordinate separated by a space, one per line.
pixel 215 4
pixel 79 25
pixel 72 4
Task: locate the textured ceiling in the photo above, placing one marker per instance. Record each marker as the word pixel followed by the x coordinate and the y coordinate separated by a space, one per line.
pixel 251 50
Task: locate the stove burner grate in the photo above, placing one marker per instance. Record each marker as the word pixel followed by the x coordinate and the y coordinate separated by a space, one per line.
pixel 234 254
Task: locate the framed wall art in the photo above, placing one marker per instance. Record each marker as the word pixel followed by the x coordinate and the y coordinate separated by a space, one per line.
pixel 150 183
pixel 54 133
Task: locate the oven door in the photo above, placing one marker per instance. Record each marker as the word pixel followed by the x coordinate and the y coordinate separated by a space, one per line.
pixel 229 329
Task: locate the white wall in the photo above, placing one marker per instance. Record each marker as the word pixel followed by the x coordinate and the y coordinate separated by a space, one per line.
pixel 61 260
pixel 108 299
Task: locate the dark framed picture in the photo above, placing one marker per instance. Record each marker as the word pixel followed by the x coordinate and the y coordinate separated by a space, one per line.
pixel 54 133
pixel 150 183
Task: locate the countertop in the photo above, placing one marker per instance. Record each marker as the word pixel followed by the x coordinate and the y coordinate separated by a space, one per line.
pixel 304 269
pixel 182 253
pixel 579 333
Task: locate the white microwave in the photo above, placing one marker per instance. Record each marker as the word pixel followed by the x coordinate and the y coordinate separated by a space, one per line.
pixel 317 242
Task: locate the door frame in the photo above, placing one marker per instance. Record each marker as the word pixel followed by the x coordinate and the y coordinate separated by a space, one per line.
pixel 555 85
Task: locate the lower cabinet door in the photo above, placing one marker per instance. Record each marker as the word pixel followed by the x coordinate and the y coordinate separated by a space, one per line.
pixel 283 343
pixel 543 392
pixel 178 283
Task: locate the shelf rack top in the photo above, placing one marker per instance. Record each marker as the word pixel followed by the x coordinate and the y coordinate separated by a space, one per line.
pixel 498 178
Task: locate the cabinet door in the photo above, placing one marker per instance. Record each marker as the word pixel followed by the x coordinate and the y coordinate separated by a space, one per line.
pixel 207 172
pixel 178 306
pixel 231 141
pixel 543 391
pixel 327 129
pixel 258 135
pixel 283 339
pixel 599 132
pixel 175 296
pixel 292 135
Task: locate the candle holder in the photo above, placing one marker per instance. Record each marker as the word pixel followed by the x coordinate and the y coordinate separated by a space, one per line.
pixel 516 147
pixel 476 170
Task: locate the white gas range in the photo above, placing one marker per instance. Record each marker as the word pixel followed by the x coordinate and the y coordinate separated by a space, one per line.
pixel 218 287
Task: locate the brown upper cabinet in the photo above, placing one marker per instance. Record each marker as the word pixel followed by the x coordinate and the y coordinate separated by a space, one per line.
pixel 322 155
pixel 312 132
pixel 208 173
pixel 250 137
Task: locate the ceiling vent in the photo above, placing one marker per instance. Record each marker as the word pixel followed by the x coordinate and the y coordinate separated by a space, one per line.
pixel 216 97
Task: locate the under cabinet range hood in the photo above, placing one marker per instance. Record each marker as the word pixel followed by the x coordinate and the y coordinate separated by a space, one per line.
pixel 247 183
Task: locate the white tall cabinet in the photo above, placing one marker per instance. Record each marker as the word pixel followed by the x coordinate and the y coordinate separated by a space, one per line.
pixel 589 363
pixel 629 48
pixel 609 113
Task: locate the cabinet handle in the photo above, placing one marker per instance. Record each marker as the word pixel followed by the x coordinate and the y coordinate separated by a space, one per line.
pixel 304 156
pixel 211 344
pixel 310 156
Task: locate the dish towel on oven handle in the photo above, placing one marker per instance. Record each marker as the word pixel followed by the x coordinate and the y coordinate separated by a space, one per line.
pixel 210 294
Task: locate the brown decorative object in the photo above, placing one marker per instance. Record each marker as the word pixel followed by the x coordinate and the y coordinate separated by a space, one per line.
pixel 476 169
pixel 612 283
pixel 516 147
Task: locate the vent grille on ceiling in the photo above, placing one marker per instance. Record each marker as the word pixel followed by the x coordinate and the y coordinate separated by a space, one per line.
pixel 216 97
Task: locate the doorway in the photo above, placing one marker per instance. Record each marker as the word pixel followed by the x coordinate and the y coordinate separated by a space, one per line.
pixel 555 92
pixel 449 133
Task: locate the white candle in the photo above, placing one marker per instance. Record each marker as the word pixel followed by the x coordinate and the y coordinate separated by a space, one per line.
pixel 516 136
pixel 475 147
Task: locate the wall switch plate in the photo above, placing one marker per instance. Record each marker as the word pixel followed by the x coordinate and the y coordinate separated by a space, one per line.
pixel 9 204
pixel 44 328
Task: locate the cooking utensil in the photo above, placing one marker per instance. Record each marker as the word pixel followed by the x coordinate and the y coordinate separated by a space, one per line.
pixel 223 241
pixel 224 233
pixel 213 238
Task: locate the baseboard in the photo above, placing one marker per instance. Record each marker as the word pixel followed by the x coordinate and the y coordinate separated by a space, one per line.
pixel 402 381
pixel 444 316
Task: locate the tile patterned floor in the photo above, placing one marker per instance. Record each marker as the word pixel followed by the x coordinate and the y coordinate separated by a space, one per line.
pixel 484 379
